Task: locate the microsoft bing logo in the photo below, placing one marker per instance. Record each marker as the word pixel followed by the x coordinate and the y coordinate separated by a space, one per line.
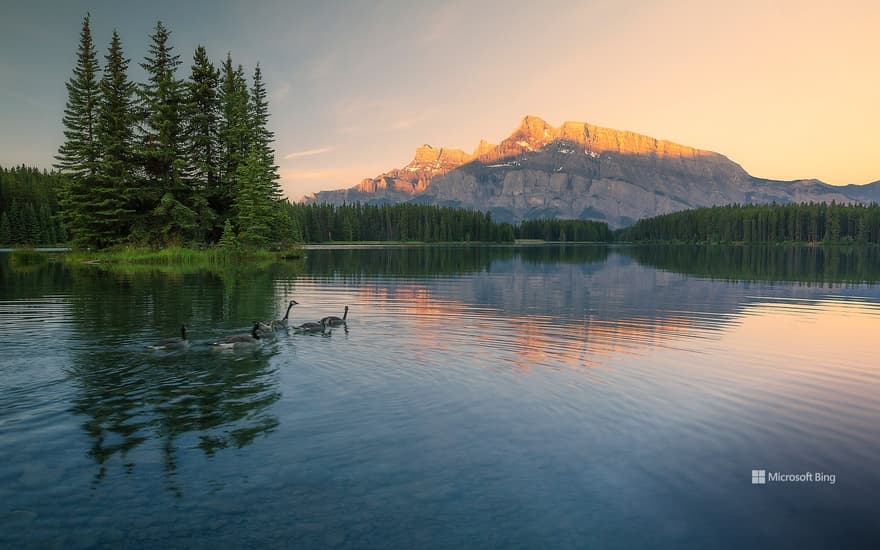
pixel 759 477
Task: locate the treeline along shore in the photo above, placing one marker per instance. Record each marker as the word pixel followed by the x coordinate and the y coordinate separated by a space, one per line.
pixel 30 214
pixel 773 223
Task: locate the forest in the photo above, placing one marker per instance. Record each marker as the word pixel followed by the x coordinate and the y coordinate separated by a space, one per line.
pixel 29 214
pixel 29 207
pixel 317 223
pixel 772 223
pixel 169 160
pixel 565 230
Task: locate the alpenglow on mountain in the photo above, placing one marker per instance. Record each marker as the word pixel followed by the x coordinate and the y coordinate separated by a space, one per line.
pixel 578 170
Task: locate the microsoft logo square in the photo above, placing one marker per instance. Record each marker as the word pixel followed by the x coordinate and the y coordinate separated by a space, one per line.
pixel 759 477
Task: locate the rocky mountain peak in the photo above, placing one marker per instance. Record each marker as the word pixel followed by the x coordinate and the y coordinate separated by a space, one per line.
pixel 437 158
pixel 483 148
pixel 534 129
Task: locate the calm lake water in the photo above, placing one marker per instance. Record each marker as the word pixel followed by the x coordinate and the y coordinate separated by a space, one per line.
pixel 577 397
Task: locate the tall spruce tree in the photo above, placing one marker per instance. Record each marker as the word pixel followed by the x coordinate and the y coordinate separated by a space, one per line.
pixel 261 172
pixel 162 105
pixel 113 190
pixel 203 142
pixel 79 155
pixel 254 207
pixel 261 137
pixel 234 133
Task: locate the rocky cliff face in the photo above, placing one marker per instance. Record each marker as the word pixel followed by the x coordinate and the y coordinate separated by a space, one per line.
pixel 578 170
pixel 401 184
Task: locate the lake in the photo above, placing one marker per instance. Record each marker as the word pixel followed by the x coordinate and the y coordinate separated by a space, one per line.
pixel 481 397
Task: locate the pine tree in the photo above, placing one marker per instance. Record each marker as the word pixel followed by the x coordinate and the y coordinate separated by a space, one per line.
pixel 47 228
pixel 202 140
pixel 5 229
pixel 163 136
pixel 79 155
pixel 113 191
pixel 234 133
pixel 260 143
pixel 17 233
pixel 30 224
pixel 261 137
pixel 254 206
pixel 228 239
pixel 60 231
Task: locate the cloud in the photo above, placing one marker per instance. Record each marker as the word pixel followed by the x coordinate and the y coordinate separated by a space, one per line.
pixel 308 153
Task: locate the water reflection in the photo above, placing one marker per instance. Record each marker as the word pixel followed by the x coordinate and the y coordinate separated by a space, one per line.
pixel 440 261
pixel 533 382
pixel 810 264
pixel 129 400
pixel 129 396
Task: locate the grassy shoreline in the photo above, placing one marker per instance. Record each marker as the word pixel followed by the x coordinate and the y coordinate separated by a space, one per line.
pixel 177 255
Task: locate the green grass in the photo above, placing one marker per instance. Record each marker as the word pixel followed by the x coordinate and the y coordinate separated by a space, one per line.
pixel 177 255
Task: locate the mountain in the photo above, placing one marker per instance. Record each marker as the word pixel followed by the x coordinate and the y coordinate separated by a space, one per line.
pixel 402 184
pixel 578 170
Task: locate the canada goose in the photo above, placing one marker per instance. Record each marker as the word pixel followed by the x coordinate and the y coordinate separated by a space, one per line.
pixel 310 326
pixel 283 322
pixel 334 321
pixel 172 343
pixel 240 340
pixel 276 324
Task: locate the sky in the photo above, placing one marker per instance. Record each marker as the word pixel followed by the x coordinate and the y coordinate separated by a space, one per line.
pixel 787 89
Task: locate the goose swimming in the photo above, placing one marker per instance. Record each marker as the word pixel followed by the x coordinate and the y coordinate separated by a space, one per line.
pixel 310 326
pixel 334 321
pixel 241 340
pixel 172 343
pixel 278 324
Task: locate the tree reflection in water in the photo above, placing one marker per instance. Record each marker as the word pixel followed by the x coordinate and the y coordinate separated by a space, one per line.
pixel 131 396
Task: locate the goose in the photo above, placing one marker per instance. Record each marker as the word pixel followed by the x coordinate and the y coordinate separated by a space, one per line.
pixel 334 321
pixel 310 326
pixel 282 323
pixel 172 343
pixel 277 324
pixel 240 340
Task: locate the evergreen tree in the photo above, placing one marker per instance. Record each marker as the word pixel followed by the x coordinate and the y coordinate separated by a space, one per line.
pixel 5 229
pixel 254 207
pixel 234 133
pixel 60 231
pixel 163 136
pixel 202 140
pixel 261 137
pixel 30 225
pixel 79 155
pixel 18 233
pixel 47 227
pixel 228 239
pixel 112 193
pixel 260 144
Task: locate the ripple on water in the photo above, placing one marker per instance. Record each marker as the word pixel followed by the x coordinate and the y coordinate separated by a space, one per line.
pixel 517 401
